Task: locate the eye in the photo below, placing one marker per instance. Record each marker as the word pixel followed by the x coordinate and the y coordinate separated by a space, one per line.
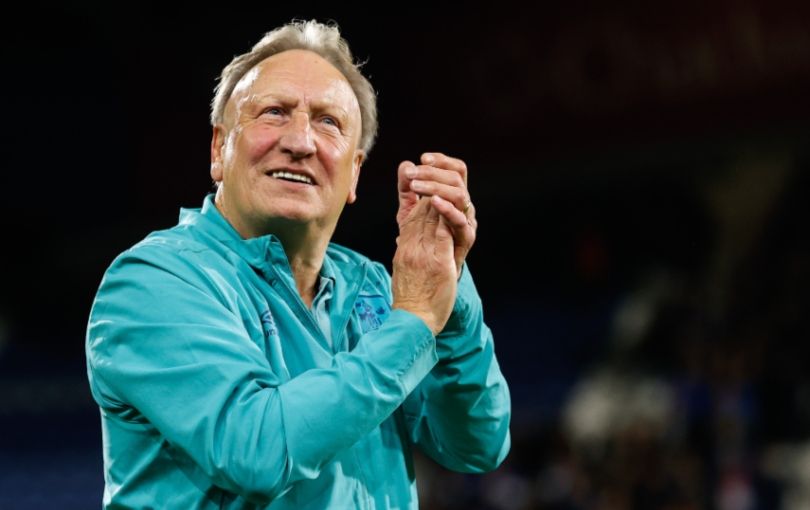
pixel 330 121
pixel 273 110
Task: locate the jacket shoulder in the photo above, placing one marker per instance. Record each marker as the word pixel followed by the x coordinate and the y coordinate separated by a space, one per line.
pixel 169 255
pixel 174 243
pixel 344 255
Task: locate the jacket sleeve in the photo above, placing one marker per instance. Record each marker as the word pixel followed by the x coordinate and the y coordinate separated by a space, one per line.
pixel 459 414
pixel 164 344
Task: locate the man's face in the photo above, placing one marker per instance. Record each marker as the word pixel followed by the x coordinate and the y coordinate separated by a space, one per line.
pixel 288 149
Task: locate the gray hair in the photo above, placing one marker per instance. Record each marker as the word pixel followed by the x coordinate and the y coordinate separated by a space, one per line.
pixel 325 40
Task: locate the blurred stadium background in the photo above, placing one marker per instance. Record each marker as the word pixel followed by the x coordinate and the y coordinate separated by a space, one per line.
pixel 642 175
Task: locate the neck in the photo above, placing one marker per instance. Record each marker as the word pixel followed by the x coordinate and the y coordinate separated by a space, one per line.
pixel 305 255
pixel 304 244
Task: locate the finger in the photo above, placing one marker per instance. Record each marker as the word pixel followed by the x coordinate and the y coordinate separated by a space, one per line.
pixel 444 236
pixel 461 230
pixel 457 196
pixel 462 226
pixel 431 222
pixel 432 173
pixel 440 160
pixel 403 179
pixel 407 198
pixel 431 215
pixel 416 214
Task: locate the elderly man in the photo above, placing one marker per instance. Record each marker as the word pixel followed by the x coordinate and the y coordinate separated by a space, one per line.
pixel 241 360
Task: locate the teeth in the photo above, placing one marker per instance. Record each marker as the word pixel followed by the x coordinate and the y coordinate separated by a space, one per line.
pixel 292 177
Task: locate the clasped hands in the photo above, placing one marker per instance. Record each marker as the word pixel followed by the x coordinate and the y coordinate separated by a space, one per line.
pixel 437 229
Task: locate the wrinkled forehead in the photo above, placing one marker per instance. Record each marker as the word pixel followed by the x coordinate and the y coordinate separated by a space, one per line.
pixel 295 74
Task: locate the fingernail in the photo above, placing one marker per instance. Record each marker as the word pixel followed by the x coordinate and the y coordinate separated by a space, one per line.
pixel 428 159
pixel 410 172
pixel 417 184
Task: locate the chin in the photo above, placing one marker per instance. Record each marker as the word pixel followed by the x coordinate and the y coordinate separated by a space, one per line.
pixel 300 214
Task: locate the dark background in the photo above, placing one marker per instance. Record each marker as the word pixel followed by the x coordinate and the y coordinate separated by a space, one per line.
pixel 640 171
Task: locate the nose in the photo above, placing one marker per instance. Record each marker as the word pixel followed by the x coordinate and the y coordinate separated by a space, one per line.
pixel 296 140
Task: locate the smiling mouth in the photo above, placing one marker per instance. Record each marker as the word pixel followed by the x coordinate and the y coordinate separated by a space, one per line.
pixel 291 177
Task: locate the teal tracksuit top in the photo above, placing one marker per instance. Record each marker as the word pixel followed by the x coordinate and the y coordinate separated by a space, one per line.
pixel 218 389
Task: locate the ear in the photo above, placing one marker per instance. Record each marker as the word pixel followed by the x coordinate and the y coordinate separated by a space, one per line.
pixel 357 162
pixel 217 142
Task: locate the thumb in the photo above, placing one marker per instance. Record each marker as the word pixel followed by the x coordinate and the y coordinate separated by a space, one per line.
pixel 403 182
pixel 443 233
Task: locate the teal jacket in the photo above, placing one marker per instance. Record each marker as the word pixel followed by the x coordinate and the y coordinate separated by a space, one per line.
pixel 218 389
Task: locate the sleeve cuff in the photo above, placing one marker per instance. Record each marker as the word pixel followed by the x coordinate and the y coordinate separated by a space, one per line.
pixel 466 305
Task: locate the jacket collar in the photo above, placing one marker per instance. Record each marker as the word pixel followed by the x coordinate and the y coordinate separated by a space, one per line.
pixel 346 268
pixel 255 251
pixel 259 252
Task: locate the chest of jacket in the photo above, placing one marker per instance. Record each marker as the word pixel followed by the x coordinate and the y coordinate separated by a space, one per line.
pixel 286 331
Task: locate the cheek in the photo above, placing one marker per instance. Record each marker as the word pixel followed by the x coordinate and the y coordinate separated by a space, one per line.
pixel 258 140
pixel 335 155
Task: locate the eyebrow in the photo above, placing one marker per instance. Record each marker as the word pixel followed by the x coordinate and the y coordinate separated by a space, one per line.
pixel 317 107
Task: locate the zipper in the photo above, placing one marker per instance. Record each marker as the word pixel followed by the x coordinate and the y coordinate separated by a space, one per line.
pixel 302 312
pixel 306 316
pixel 350 298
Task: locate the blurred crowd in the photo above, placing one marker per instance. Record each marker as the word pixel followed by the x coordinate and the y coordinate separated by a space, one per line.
pixel 699 397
